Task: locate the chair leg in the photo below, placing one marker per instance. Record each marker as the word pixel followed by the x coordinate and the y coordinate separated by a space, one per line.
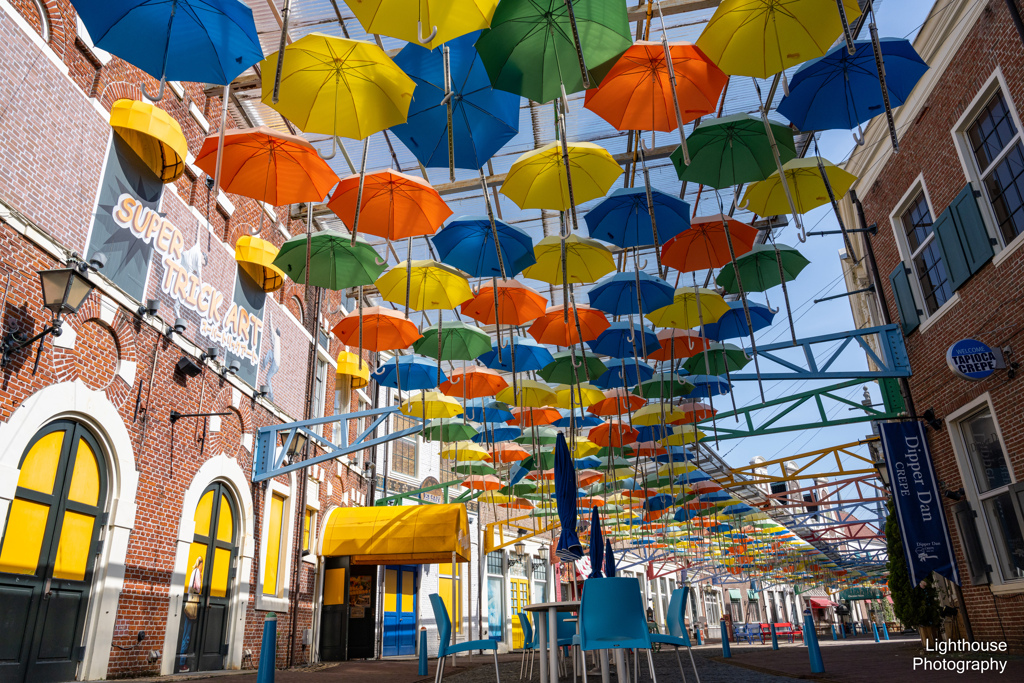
pixel 440 668
pixel 679 661
pixel 694 664
pixel 650 662
pixel 636 669
pixel 522 666
pixel 497 673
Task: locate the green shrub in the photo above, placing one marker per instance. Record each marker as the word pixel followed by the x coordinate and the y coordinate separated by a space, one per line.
pixel 913 605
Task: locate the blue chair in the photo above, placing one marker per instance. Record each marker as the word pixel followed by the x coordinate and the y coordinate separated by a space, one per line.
pixel 612 617
pixel 445 646
pixel 530 644
pixel 677 635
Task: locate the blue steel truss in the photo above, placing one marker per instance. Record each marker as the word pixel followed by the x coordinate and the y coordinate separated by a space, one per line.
pixel 271 454
pixel 893 361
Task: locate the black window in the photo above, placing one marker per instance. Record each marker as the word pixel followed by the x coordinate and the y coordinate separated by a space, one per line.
pixel 998 151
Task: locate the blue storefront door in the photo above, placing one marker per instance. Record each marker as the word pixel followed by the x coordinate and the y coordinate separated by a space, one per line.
pixel 400 584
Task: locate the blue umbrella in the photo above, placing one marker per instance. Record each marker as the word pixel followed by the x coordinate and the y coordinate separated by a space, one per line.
pixel 609 559
pixel 596 544
pixel 588 463
pixel 692 477
pixel 529 356
pixel 410 373
pixel 716 497
pixel 662 501
pixel 841 91
pixel 615 294
pixel 468 244
pixel 209 41
pixel 675 454
pixel 583 420
pixel 738 509
pixel 569 547
pixel 624 373
pixel 706 386
pixel 493 432
pixel 615 342
pixel 652 432
pixel 733 324
pixel 623 217
pixel 483 119
pixel 487 410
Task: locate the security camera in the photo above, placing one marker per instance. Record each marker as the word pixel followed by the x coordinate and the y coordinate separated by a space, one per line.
pixel 98 261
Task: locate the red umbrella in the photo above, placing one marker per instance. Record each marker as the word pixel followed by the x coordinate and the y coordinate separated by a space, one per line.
pixel 678 344
pixel 705 245
pixel 552 327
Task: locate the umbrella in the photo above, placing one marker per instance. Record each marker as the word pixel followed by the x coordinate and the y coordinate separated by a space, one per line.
pixel 584 448
pixel 411 373
pixel 684 311
pixel 732 150
pixel 517 304
pixel 721 359
pixel 256 257
pixel 656 413
pixel 464 451
pixel 383 329
pixel 544 435
pixel 428 285
pixel 708 385
pixel 842 91
pixel 393 205
pixel 529 356
pixel 338 86
pixel 582 395
pixel 207 41
pixel 434 22
pixel 472 383
pixel 430 405
pixel 762 38
pixel 609 559
pixel 664 386
pixel 561 369
pixel 537 179
pixel 484 482
pixel 760 268
pixel 596 545
pixel 577 419
pixel 617 293
pixel 677 344
pixel 468 244
pixel 447 429
pixel 637 93
pixel 538 48
pixel 508 452
pixel 482 119
pixel 623 340
pixel 569 547
pixel 530 417
pixel 694 412
pixel 613 434
pixel 624 373
pixel 493 432
pixel 334 260
pixel 453 341
pixel 615 402
pixel 557 328
pixel 808 188
pixel 624 217
pixel 528 393
pixel 733 324
pixel 705 245
pixel 586 260
pixel 476 408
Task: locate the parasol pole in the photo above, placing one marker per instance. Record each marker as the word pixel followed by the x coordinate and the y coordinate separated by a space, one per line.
pixel 447 102
pixel 880 65
pixel 220 142
pixel 832 199
pixel 565 158
pixel 408 275
pixel 280 51
pixel 579 55
pixel 801 231
pixel 360 305
pixel 707 365
pixel 359 193
pixel 642 146
pixel 675 94
pixel 497 249
pixel 785 290
pixel 847 33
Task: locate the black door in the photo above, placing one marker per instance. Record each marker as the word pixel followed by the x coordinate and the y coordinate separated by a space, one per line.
pixel 334 613
pixel 50 544
pixel 209 575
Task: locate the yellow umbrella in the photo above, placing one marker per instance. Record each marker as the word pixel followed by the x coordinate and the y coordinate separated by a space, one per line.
pixel 464 450
pixel 681 435
pixel 430 405
pixel 337 86
pixel 256 257
pixel 153 134
pixel 432 285
pixel 585 447
pixel 768 198
pixel 650 415
pixel 674 468
pixel 530 394
pixel 683 313
pixel 587 260
pixel 537 179
pixel 434 21
pixel 760 38
pixel 584 395
pixel 349 366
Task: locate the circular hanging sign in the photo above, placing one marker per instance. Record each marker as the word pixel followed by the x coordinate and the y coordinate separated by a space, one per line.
pixel 974 360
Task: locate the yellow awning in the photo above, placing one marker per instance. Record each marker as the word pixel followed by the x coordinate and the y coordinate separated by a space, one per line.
pixel 348 364
pixel 410 534
pixel 256 257
pixel 154 135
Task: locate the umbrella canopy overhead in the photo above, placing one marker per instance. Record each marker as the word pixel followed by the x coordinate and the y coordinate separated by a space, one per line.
pixel 453 340
pixel 732 150
pixel 383 329
pixel 759 268
pixel 586 260
pixel 517 304
pixel 705 245
pixel 537 179
pixel 394 205
pixel 430 285
pixel 411 373
pixel 630 293
pixel 733 324
pixel 528 355
pixel 768 198
pixel 558 328
pixel 334 261
pixel 432 23
pixel 624 217
pixel 468 244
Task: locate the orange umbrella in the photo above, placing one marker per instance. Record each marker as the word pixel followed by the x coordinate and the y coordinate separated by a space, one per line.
pixel 639 493
pixel 708 486
pixel 517 504
pixel 482 482
pixel 473 382
pixel 613 433
pixel 695 412
pixel 533 417
pixel 517 304
pixel 637 92
pixel 268 166
pixel 384 329
pixel 509 452
pixel 649 449
pixel 590 501
pixel 588 477
pixel 705 245
pixel 552 328
pixel 616 402
pixel 394 205
pixel 678 344
pixel 548 475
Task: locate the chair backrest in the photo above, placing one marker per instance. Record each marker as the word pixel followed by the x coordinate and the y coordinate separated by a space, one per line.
pixel 676 616
pixel 524 622
pixel 565 629
pixel 612 615
pixel 444 624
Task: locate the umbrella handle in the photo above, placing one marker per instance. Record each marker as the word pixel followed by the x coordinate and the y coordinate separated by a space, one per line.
pixel 159 93
pixel 419 34
pixel 858 136
pixel 334 149
pixel 743 203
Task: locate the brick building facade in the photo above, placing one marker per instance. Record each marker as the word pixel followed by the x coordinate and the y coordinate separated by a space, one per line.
pixel 948 208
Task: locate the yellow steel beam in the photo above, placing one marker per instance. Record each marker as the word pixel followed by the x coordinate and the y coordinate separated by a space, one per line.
pixel 806 461
pixel 503 542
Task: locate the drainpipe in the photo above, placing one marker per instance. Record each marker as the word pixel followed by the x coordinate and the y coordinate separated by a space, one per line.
pixel 1015 15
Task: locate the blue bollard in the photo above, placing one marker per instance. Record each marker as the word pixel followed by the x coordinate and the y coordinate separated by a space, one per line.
pixel 833 631
pixel 268 650
pixel 854 625
pixel 423 651
pixel 699 641
pixel 842 631
pixel 874 627
pixel 811 638
pixel 726 652
pixel 885 631
pixel 775 638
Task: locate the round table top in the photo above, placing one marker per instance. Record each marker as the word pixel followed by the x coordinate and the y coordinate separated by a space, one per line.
pixel 564 606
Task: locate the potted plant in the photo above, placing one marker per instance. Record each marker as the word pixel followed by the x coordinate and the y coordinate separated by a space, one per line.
pixel 916 606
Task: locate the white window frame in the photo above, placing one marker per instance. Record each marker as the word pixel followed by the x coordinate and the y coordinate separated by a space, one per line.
pixel 280 601
pixel 976 499
pixel 312 503
pixel 996 83
pixel 416 442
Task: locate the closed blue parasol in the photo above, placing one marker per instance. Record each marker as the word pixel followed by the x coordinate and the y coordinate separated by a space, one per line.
pixel 408 373
pixel 623 218
pixel 596 544
pixel 468 244
pixel 569 547
pixel 609 559
pixel 483 119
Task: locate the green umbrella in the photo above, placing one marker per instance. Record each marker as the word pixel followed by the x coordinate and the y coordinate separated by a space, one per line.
pixel 731 150
pixel 523 488
pixel 449 429
pixel 759 268
pixel 722 358
pixel 531 47
pixel 545 460
pixel 616 451
pixel 616 462
pixel 544 512
pixel 663 385
pixel 334 261
pixel 542 434
pixel 560 370
pixel 473 467
pixel 459 341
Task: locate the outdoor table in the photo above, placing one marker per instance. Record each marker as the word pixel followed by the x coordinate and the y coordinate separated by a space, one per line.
pixel 548 635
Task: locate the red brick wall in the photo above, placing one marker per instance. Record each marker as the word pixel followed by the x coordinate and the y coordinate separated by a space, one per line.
pixel 991 306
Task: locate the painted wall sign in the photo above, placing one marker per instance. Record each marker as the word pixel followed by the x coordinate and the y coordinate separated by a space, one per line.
pixel 974 360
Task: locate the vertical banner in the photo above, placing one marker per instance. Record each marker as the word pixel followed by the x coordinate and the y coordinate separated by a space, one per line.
pixel 918 504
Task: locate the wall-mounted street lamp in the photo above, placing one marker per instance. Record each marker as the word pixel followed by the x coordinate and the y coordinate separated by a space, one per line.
pixel 64 291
